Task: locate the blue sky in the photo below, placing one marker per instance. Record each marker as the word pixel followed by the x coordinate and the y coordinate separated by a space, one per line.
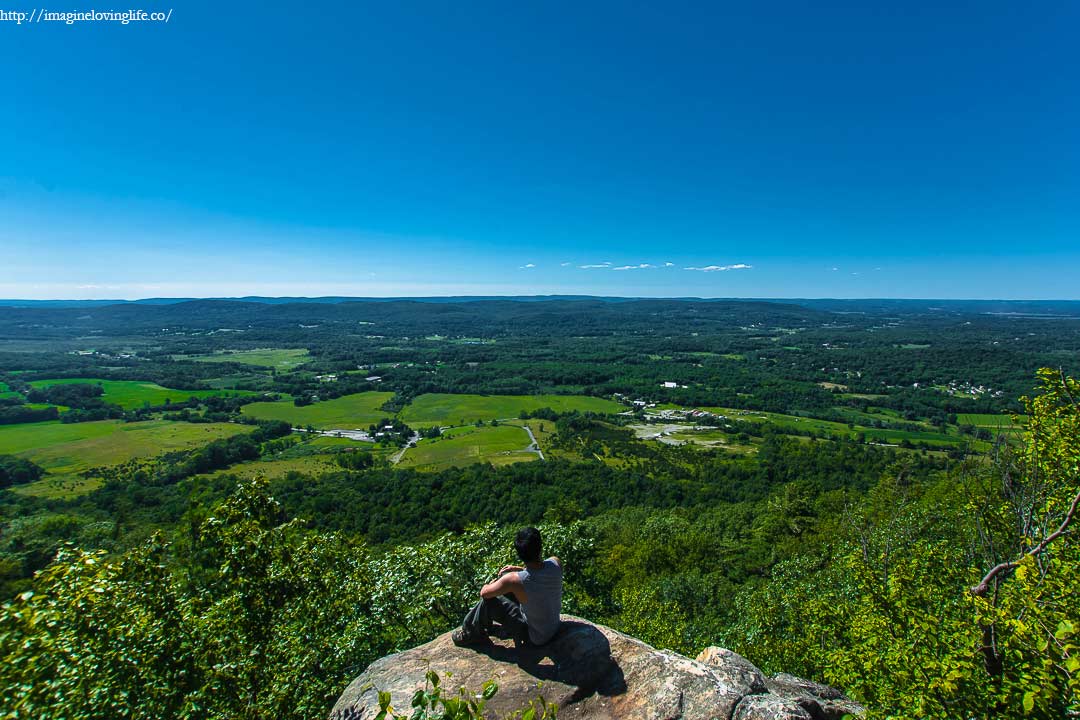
pixel 405 148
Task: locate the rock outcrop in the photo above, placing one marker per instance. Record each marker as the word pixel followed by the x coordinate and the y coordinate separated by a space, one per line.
pixel 595 673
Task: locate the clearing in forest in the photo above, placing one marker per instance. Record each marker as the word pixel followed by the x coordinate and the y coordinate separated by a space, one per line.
pixel 988 420
pixel 461 446
pixel 448 409
pixel 67 449
pixel 132 394
pixel 347 412
pixel 6 392
pixel 277 358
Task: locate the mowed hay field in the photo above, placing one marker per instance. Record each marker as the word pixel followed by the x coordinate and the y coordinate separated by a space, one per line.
pixel 313 465
pixel 1003 422
pixel 463 446
pixel 132 394
pixel 344 413
pixel 65 450
pixel 446 409
pixel 277 358
pixel 878 435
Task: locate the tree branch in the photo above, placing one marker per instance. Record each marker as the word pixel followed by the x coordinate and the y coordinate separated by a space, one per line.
pixel 981 589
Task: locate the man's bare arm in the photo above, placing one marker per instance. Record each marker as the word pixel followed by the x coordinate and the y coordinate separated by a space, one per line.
pixel 506 584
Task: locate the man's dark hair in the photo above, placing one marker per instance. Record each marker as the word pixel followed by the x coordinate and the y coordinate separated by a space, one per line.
pixel 528 544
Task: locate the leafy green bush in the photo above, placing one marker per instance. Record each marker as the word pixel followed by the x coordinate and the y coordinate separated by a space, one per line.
pixel 432 704
pixel 255 619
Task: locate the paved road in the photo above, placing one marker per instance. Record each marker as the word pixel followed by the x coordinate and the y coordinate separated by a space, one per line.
pixel 535 447
pixel 401 453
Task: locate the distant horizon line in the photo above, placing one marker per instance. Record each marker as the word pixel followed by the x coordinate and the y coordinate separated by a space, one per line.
pixel 10 302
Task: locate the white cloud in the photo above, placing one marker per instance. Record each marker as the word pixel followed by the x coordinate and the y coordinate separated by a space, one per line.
pixel 642 266
pixel 526 266
pixel 835 269
pixel 721 268
pixel 603 265
pixel 669 264
pixel 565 264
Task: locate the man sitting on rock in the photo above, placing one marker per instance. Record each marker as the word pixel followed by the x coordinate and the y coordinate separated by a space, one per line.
pixel 525 601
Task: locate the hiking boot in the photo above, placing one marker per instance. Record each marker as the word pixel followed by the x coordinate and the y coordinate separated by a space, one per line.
pixel 463 639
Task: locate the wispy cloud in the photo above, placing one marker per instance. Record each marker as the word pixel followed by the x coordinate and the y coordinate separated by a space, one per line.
pixel 608 265
pixel 526 266
pixel 721 268
pixel 566 264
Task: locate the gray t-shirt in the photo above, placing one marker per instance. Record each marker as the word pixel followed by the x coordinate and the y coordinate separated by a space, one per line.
pixel 543 587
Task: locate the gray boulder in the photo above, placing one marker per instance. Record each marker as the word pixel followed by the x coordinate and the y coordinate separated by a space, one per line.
pixel 593 672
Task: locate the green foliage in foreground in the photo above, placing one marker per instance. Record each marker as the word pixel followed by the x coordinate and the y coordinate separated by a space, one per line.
pixel 903 610
pixel 251 617
pixel 256 623
pixel 433 703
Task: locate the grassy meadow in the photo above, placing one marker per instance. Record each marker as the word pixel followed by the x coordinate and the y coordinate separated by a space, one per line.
pixel 985 420
pixel 277 358
pixel 926 434
pixel 132 394
pixel 447 409
pixel 272 469
pixel 345 413
pixel 462 446
pixel 65 450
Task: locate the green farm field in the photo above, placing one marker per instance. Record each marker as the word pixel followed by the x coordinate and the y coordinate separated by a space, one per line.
pixel 132 394
pixel 783 421
pixel 277 358
pixel 65 450
pixel 344 413
pixel 987 420
pixel 447 409
pixel 5 391
pixel 878 435
pixel 312 457
pixel 313 465
pixel 462 446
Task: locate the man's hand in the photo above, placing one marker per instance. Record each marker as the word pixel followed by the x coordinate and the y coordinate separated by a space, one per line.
pixel 510 568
